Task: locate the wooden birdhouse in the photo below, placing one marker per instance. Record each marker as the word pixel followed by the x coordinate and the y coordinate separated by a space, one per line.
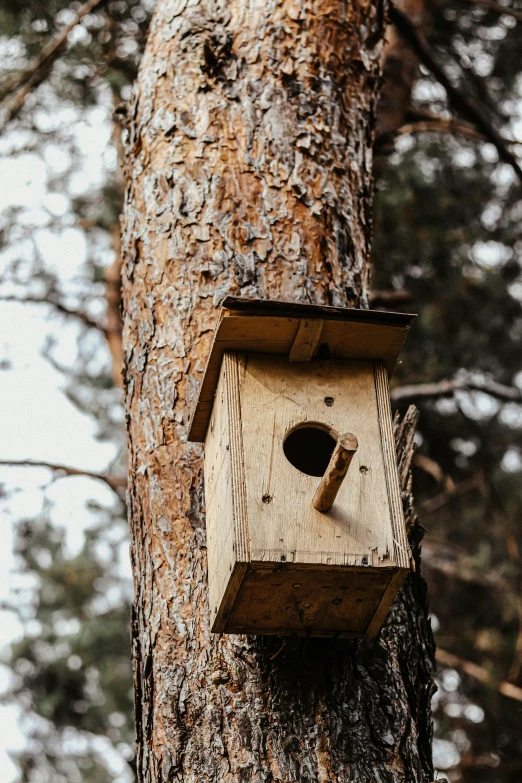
pixel 305 530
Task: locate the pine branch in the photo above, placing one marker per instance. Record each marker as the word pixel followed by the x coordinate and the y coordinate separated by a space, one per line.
pixel 443 498
pixel 433 469
pixel 446 388
pixel 435 125
pixel 459 100
pixel 21 84
pixel 442 558
pixel 498 8
pixel 61 308
pixel 390 297
pixel 116 483
pixel 478 673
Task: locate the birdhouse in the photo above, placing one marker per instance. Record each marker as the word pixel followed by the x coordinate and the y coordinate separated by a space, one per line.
pixel 305 529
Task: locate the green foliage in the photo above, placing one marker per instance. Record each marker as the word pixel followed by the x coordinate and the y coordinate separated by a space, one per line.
pixel 105 47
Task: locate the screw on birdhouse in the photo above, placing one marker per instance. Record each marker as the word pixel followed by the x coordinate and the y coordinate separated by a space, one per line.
pixel 335 472
pixel 328 401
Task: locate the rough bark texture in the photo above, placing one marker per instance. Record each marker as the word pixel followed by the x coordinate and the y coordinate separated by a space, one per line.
pixel 249 170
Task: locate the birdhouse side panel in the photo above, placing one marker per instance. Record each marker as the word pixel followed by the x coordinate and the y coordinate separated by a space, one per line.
pixel 277 397
pixel 221 496
pixel 393 485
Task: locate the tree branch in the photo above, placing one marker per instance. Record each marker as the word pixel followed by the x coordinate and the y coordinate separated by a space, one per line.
pixel 435 125
pixel 433 469
pixel 420 46
pixel 443 498
pixel 446 388
pixel 498 8
pixel 442 558
pixel 82 316
pixel 116 483
pixel 478 673
pixel 37 71
pixel 390 297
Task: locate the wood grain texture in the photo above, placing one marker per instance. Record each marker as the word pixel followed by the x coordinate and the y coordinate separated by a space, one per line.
pixel 385 602
pixel 277 396
pixel 222 498
pixel 335 473
pixel 390 461
pixel 231 378
pixel 283 598
pixel 306 340
pixel 245 305
pixel 248 171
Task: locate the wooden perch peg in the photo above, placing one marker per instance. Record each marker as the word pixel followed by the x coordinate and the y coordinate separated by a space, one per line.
pixel 335 472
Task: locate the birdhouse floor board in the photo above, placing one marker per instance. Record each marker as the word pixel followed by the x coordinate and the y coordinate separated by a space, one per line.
pixel 311 602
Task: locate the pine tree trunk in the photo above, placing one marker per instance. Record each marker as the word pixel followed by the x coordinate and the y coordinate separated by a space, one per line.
pixel 249 171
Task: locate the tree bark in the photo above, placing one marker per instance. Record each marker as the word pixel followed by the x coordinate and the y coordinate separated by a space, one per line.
pixel 249 170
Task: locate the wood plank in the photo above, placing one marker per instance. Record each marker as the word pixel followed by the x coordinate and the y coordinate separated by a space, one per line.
pixel 225 495
pixel 386 601
pixel 218 501
pixel 267 307
pixel 232 376
pixel 402 549
pixel 221 620
pixel 306 339
pixel 277 396
pixel 286 599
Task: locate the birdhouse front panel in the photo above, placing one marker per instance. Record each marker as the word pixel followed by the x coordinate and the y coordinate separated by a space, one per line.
pixel 292 416
pixel 305 531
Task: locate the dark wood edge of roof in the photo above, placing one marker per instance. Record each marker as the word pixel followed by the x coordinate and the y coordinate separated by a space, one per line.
pixel 270 307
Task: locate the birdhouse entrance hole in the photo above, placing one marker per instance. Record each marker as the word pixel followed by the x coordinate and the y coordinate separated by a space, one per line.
pixel 309 447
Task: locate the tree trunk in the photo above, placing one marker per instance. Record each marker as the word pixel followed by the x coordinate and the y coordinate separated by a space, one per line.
pixel 249 170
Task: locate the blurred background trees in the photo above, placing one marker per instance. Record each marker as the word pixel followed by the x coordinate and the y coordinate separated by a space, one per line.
pixel 447 244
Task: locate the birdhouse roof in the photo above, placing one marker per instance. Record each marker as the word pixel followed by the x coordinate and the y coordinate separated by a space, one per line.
pixel 301 332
